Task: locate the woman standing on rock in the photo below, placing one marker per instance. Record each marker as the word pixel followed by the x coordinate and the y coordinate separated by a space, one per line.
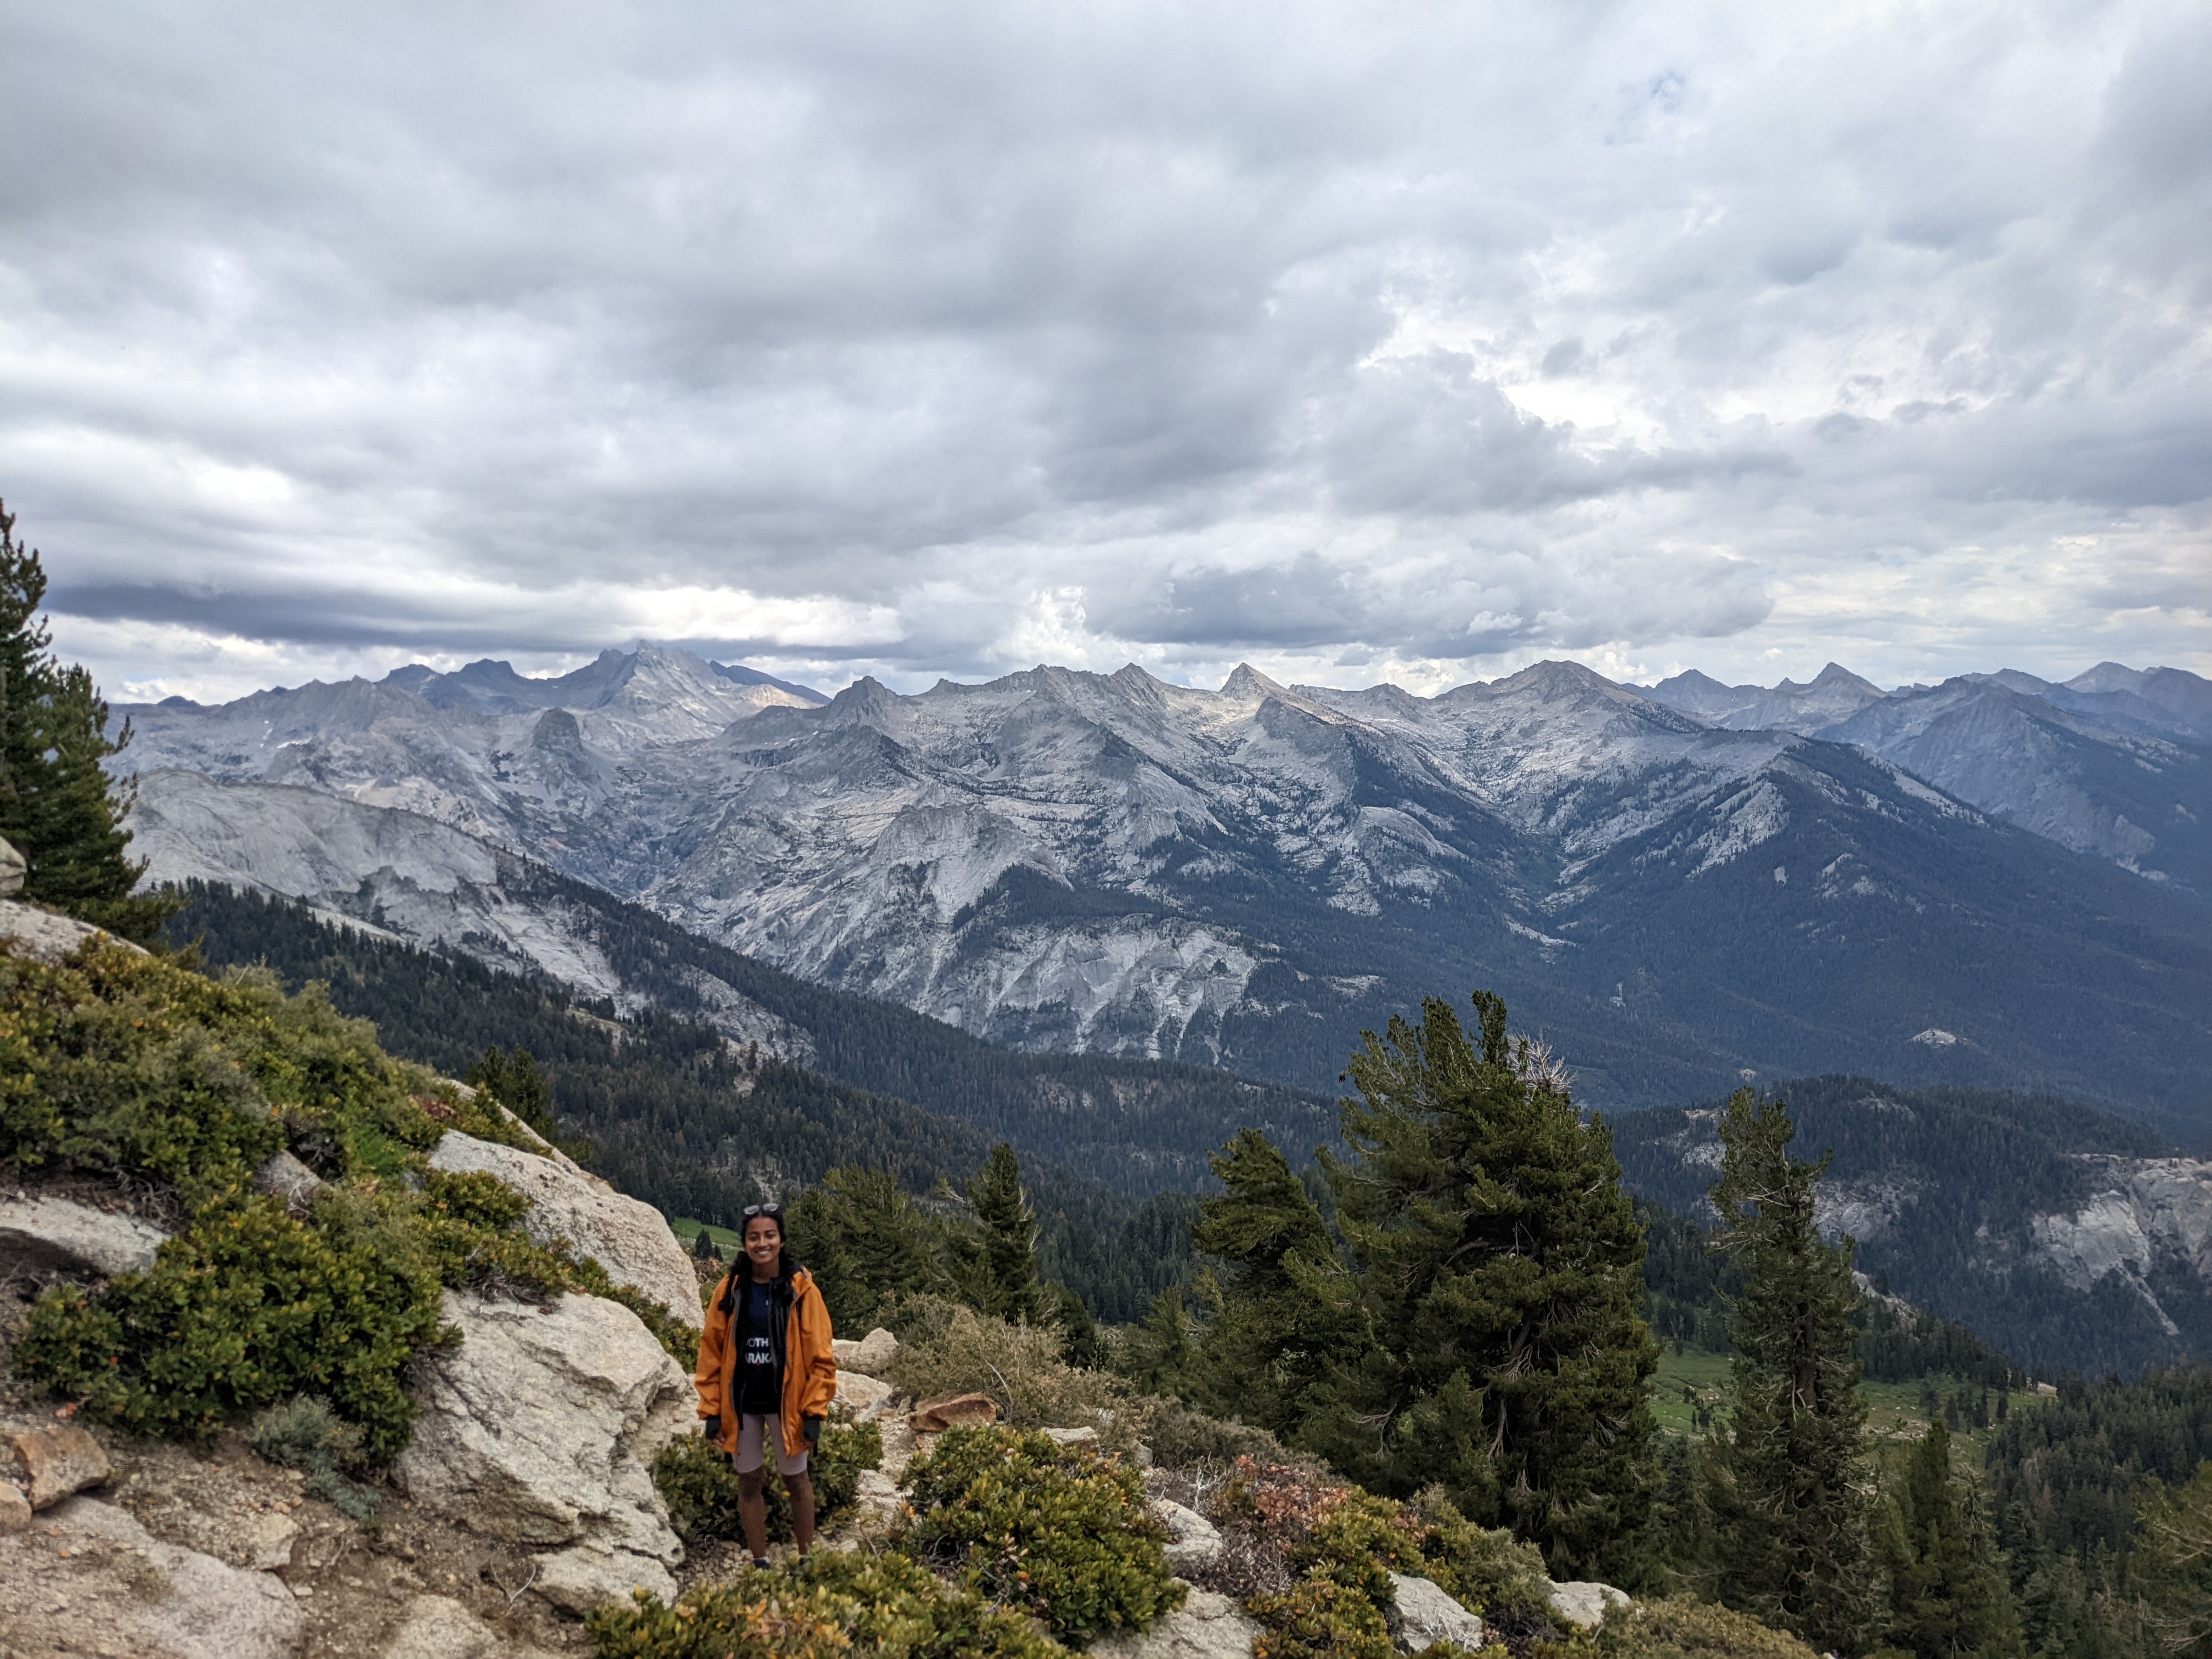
pixel 767 1375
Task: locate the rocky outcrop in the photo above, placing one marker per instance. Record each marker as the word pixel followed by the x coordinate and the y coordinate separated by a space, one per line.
pixel 60 1461
pixel 584 1577
pixel 629 1239
pixel 43 934
pixel 1208 1625
pixel 540 1429
pixel 2140 1213
pixel 1584 1603
pixel 1423 1616
pixel 864 1396
pixel 96 1581
pixel 14 1507
pixel 871 1356
pixel 1193 1541
pixel 58 1234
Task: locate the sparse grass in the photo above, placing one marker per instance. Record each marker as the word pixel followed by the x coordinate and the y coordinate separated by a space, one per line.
pixel 1893 1409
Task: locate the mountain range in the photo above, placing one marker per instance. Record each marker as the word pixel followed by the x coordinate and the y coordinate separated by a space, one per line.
pixel 1675 885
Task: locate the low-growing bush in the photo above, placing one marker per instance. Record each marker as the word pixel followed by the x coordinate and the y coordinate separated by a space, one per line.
pixel 700 1488
pixel 1319 1619
pixel 826 1603
pixel 134 1066
pixel 307 1435
pixel 1020 1367
pixel 1681 1628
pixel 1059 1530
pixel 1182 1437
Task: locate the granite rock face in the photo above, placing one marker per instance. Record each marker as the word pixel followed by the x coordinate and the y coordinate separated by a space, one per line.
pixel 1584 1603
pixel 1208 1625
pixel 88 1575
pixel 629 1239
pixel 541 1429
pixel 1424 1615
pixel 58 1234
pixel 1193 1541
pixel 871 1356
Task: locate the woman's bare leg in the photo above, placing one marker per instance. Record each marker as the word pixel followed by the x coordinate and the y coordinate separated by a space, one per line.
pixel 801 1488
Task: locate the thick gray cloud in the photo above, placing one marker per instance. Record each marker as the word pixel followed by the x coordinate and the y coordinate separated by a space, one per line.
pixel 1414 342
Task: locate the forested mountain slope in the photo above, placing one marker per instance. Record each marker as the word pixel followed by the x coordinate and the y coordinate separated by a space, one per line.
pixel 677 1115
pixel 2067 1238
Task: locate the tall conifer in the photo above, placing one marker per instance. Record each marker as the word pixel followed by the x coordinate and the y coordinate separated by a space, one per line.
pixel 1009 1283
pixel 1270 1340
pixel 1946 1598
pixel 1788 1514
pixel 1495 1341
pixel 58 805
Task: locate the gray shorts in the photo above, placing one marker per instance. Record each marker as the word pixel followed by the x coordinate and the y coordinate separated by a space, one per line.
pixel 749 1456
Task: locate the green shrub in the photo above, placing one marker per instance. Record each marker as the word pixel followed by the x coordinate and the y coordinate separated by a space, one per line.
pixel 1319 1619
pixel 1182 1437
pixel 307 1435
pixel 828 1603
pixel 1681 1628
pixel 1059 1529
pixel 700 1488
pixel 118 1063
pixel 244 1308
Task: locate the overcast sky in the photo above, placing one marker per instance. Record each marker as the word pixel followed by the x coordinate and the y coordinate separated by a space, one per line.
pixel 1361 342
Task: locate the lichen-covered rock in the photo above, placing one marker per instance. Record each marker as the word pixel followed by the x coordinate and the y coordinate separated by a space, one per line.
pixel 1423 1616
pixel 871 1356
pixel 87 1578
pixel 583 1578
pixel 1083 1437
pixel 629 1239
pixel 541 1427
pixel 14 1507
pixel 1206 1626
pixel 62 1460
pixel 1584 1603
pixel 58 1234
pixel 1193 1541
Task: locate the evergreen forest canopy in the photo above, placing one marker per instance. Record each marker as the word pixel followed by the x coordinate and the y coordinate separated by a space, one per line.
pixel 1951 1179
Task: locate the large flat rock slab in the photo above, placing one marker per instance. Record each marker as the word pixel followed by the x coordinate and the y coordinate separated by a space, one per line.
pixel 59 1234
pixel 87 1578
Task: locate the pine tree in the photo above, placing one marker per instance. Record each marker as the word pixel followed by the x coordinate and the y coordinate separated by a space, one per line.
pixel 866 1241
pixel 1791 1523
pixel 1491 1332
pixel 1946 1597
pixel 1008 1276
pixel 1270 1340
pixel 2172 1562
pixel 58 805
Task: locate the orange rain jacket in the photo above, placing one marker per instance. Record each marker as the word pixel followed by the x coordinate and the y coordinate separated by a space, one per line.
pixel 810 1367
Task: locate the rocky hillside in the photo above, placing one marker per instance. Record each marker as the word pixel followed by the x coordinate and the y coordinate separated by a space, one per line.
pixel 1247 877
pixel 2068 1238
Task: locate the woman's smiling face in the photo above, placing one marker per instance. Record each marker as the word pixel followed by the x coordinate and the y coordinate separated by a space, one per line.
pixel 763 1240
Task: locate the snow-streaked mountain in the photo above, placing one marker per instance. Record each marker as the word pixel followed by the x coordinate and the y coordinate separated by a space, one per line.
pixel 1068 861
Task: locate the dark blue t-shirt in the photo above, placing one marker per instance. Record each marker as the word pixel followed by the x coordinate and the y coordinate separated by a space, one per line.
pixel 758 1394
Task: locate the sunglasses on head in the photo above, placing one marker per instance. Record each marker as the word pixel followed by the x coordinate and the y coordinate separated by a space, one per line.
pixel 772 1211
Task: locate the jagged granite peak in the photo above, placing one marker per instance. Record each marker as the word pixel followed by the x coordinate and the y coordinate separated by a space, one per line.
pixel 1058 859
pixel 1833 694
